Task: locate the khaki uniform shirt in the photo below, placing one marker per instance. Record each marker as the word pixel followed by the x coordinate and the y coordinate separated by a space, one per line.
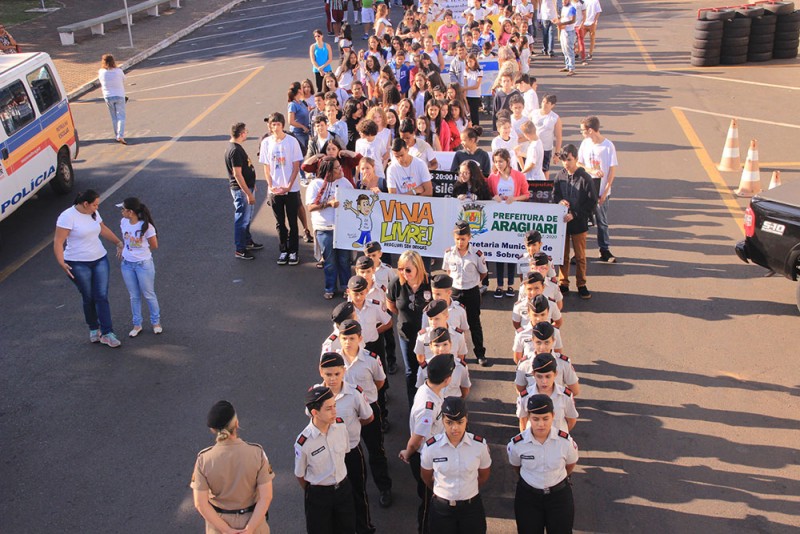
pixel 231 470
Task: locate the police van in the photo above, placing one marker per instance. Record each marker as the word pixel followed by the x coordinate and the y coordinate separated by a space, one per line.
pixel 38 140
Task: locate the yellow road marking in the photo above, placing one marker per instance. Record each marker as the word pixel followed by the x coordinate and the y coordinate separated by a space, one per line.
pixel 778 164
pixel 25 258
pixel 708 164
pixel 177 97
pixel 635 37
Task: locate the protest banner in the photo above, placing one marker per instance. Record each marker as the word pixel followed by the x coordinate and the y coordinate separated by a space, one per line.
pixel 541 191
pixel 425 224
pixel 443 182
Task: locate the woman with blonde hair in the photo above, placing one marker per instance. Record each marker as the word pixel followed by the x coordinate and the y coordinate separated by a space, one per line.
pixel 232 480
pixel 112 82
pixel 407 296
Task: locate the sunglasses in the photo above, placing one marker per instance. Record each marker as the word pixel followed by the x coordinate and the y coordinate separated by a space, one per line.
pixel 407 269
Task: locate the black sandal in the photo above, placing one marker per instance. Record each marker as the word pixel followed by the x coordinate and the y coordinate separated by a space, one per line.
pixel 307 237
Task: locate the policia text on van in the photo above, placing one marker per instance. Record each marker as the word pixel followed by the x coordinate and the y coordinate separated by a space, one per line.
pixel 38 140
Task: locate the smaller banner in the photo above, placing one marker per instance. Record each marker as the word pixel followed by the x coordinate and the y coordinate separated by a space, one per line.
pixel 443 182
pixel 541 191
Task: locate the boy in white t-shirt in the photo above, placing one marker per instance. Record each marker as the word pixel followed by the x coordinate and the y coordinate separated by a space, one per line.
pixel 407 175
pixel 507 139
pixel 370 146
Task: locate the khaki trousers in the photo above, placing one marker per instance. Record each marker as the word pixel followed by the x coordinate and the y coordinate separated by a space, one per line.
pixel 237 521
pixel 579 244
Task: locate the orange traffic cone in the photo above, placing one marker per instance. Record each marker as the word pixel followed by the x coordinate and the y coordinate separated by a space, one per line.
pixel 750 184
pixel 730 160
pixel 776 179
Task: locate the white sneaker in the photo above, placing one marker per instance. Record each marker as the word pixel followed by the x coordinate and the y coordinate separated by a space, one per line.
pixel 157 329
pixel 135 332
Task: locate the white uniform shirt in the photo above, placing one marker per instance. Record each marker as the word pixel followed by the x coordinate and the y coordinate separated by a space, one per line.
pixel 465 270
pixel 600 156
pixel 527 331
pixel 455 468
pixel 364 371
pixel 351 406
pixel 281 156
pixel 519 313
pixel 383 275
pixel 371 317
pixel 404 179
pixel 379 294
pixel 524 267
pixel 318 457
pixel 542 465
pixel 459 379
pixel 565 372
pixel 424 418
pixel 563 405
pixel 457 341
pixel 457 317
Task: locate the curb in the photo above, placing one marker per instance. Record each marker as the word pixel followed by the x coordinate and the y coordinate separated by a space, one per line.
pixel 141 56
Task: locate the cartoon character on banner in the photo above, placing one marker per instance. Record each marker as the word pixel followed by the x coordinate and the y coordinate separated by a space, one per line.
pixel 363 212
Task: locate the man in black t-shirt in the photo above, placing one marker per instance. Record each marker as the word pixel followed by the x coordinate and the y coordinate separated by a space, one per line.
pixel 242 177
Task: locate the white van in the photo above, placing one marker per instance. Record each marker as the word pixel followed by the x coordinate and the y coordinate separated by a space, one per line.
pixel 38 140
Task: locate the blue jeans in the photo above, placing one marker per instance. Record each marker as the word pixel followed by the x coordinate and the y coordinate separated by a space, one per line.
pixel 412 366
pixel 601 220
pixel 567 39
pixel 140 278
pixel 91 279
pixel 242 216
pixel 509 269
pixel 549 31
pixel 337 261
pixel 116 108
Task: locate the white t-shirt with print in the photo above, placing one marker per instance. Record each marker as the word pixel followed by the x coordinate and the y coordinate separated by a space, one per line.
pixel 403 179
pixel 83 241
pixel 137 246
pixel 601 156
pixel 324 219
pixel 281 156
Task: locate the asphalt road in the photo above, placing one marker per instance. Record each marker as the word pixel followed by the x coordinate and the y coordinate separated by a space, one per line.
pixel 688 416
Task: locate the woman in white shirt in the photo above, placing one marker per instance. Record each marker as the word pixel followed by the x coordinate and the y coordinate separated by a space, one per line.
pixel 79 251
pixel 112 82
pixel 138 270
pixel 321 203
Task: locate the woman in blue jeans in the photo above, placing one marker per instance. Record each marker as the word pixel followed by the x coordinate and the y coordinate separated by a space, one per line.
pixel 321 202
pixel 85 261
pixel 138 270
pixel 112 82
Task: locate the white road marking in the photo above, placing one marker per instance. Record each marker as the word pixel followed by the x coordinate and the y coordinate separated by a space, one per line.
pixel 239 21
pixel 732 80
pixel 199 64
pixel 739 117
pixel 195 80
pixel 268 5
pixel 239 44
pixel 246 30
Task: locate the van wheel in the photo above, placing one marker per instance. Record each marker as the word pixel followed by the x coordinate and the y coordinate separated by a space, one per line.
pixel 64 179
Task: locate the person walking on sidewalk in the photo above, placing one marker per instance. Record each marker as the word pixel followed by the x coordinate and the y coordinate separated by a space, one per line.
pixel 566 36
pixel 242 182
pixel 281 155
pixel 112 82
pixel 599 156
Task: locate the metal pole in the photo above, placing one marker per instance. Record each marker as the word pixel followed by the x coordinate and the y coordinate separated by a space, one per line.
pixel 129 22
pixel 43 7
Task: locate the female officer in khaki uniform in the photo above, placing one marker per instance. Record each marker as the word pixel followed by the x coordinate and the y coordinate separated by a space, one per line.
pixel 232 480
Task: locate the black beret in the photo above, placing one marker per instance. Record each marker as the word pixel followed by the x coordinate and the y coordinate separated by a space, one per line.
pixel 442 281
pixel 531 277
pixel 540 403
pixel 364 262
pixel 357 283
pixel 331 359
pixel 543 330
pixel 435 307
pixel 541 258
pixel 317 395
pixel 462 228
pixel 539 304
pixel 544 363
pixel 440 334
pixel 342 311
pixel 533 237
pixel 350 327
pixel 372 246
pixel 454 408
pixel 220 415
pixel 440 367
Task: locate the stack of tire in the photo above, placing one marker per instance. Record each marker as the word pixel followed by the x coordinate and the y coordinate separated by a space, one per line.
pixel 707 40
pixel 787 32
pixel 736 35
pixel 762 34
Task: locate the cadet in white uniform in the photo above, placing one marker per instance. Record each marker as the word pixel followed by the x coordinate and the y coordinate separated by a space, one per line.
pixel 320 467
pixel 353 408
pixel 442 288
pixel 540 341
pixel 544 374
pixel 383 275
pixel 441 343
pixel 467 267
pixel 534 286
pixel 455 464
pixel 438 316
pixel 425 422
pixel 544 457
pixel 363 368
pixel 340 313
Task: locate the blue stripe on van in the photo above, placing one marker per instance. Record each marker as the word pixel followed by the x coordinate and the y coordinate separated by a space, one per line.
pixel 27 133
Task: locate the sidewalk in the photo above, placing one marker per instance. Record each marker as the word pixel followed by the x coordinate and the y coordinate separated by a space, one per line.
pixel 78 64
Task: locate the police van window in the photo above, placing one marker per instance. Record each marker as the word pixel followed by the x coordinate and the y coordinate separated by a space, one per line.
pixel 45 90
pixel 15 107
